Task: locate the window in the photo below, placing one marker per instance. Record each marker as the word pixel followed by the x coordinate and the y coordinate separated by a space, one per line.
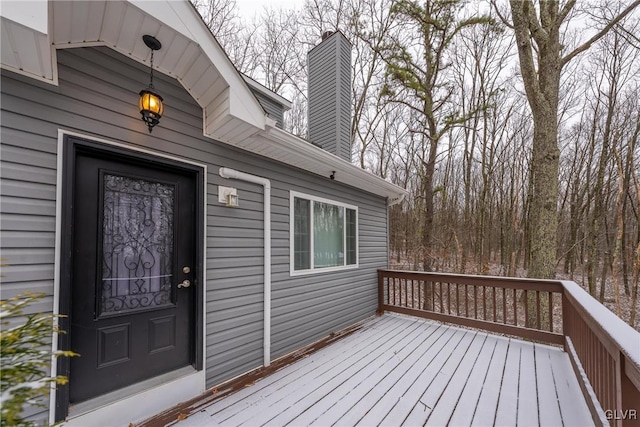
pixel 324 234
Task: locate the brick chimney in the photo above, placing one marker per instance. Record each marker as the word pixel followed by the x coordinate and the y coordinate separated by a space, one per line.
pixel 329 94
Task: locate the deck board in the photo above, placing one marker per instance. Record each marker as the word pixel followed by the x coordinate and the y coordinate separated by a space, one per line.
pixel 548 407
pixel 458 361
pixel 410 399
pixel 444 402
pixel 453 398
pixel 574 411
pixel 485 410
pixel 373 395
pixel 387 397
pixel 398 370
pixel 328 409
pixel 336 391
pixel 465 407
pixel 527 388
pixel 236 402
pixel 507 411
pixel 324 382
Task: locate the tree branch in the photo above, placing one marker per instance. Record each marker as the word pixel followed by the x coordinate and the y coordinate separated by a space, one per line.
pixel 503 19
pixel 631 38
pixel 565 10
pixel 538 33
pixel 586 45
pixel 521 19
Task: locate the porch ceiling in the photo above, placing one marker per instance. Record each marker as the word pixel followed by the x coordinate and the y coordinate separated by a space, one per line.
pixel 31 35
pixel 33 31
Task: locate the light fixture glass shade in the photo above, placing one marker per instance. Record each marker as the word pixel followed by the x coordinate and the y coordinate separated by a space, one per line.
pixel 232 200
pixel 151 108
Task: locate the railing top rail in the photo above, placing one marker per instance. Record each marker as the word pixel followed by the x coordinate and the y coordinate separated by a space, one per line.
pixel 509 282
pixel 623 335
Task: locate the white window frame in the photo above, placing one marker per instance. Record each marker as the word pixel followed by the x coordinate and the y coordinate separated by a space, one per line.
pixel 312 269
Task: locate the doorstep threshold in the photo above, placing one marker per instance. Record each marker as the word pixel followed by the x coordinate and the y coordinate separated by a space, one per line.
pixel 76 410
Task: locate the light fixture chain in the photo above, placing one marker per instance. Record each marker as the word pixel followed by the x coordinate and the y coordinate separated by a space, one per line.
pixel 151 81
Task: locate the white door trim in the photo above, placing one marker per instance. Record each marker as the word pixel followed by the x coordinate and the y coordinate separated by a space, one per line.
pixel 155 399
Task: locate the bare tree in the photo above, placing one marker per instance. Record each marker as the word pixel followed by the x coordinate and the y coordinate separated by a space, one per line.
pixel 538 29
pixel 235 36
pixel 416 63
pixel 320 16
pixel 221 16
pixel 280 59
pixel 479 67
pixel 370 25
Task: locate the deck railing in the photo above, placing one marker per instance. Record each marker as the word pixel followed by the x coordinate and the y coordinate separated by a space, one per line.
pixel 520 307
pixel 604 351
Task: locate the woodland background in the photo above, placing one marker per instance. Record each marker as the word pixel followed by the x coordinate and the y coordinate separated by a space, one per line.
pixel 440 108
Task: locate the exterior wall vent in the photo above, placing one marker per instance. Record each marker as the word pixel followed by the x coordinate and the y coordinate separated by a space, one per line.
pixel 329 94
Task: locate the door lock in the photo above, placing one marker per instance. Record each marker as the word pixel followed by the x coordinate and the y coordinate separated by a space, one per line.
pixel 184 284
pixel 186 270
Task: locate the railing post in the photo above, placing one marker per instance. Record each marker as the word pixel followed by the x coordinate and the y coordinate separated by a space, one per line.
pixel 617 376
pixel 566 320
pixel 630 385
pixel 380 311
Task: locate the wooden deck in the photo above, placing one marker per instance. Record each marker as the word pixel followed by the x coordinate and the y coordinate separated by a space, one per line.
pixel 400 370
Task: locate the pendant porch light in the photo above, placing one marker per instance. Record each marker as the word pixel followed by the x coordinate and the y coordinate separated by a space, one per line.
pixel 150 103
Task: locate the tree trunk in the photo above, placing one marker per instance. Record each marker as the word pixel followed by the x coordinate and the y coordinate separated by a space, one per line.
pixel 634 289
pixel 618 243
pixel 636 267
pixel 542 88
pixel 427 236
pixel 543 213
pixel 541 80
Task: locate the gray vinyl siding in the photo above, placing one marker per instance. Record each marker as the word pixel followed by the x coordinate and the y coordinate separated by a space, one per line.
pixel 329 112
pixel 274 109
pixel 344 66
pixel 304 308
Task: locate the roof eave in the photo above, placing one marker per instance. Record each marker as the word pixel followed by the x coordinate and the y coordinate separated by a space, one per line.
pixel 324 163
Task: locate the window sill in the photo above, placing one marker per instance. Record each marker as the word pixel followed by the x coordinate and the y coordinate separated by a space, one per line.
pixel 293 273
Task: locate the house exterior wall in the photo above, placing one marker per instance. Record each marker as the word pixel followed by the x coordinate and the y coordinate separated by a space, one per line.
pixel 97 96
pixel 273 108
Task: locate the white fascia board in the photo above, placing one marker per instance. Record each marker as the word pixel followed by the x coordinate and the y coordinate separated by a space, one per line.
pixel 33 14
pixel 267 92
pixel 183 18
pixel 245 106
pixel 346 172
pixel 26 48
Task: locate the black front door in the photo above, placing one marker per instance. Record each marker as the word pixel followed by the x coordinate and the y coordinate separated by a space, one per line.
pixel 133 249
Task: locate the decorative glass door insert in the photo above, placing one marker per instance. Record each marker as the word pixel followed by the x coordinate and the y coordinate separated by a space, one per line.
pixel 137 244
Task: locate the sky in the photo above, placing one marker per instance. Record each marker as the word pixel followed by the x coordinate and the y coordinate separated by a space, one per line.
pixel 248 8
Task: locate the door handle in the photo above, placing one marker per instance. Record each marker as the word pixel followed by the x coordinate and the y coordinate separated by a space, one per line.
pixel 184 284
